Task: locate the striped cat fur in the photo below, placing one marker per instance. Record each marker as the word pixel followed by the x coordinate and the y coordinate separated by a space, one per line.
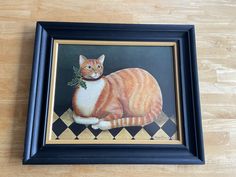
pixel 128 97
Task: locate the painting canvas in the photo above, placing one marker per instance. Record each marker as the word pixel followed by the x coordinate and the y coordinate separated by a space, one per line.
pixel 105 92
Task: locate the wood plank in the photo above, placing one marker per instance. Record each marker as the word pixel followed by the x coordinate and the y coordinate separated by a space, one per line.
pixel 216 44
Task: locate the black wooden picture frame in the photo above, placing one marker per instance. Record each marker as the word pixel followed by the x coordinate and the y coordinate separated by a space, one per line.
pixel 36 151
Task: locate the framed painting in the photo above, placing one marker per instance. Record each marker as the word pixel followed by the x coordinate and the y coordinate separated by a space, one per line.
pixel 114 93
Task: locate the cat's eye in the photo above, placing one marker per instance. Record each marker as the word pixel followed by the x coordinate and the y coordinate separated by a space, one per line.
pixel 89 67
pixel 99 66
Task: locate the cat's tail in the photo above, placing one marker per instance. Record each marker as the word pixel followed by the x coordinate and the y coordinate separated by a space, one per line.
pixel 153 114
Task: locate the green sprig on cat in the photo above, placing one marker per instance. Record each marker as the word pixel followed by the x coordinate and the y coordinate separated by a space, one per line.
pixel 77 81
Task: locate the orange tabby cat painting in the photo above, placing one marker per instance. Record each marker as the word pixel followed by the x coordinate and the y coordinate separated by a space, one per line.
pixel 127 97
pixel 114 92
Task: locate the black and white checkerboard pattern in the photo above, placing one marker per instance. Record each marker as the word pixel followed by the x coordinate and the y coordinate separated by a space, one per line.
pixel 64 128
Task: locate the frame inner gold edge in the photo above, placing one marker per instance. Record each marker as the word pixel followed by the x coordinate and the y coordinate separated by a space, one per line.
pixel 92 42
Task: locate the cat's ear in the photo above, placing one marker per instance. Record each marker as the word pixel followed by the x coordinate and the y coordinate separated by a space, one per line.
pixel 101 58
pixel 82 59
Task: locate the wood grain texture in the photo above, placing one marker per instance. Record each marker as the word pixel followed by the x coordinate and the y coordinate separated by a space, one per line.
pixel 216 48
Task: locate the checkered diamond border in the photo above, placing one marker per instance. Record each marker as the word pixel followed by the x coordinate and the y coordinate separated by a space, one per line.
pixel 64 128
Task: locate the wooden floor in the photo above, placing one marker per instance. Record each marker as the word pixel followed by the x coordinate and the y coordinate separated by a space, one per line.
pixel 215 22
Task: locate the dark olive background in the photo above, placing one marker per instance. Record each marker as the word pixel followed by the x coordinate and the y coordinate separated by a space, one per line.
pixel 156 60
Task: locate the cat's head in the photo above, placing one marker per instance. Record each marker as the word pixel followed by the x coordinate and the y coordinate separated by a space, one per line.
pixel 91 68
